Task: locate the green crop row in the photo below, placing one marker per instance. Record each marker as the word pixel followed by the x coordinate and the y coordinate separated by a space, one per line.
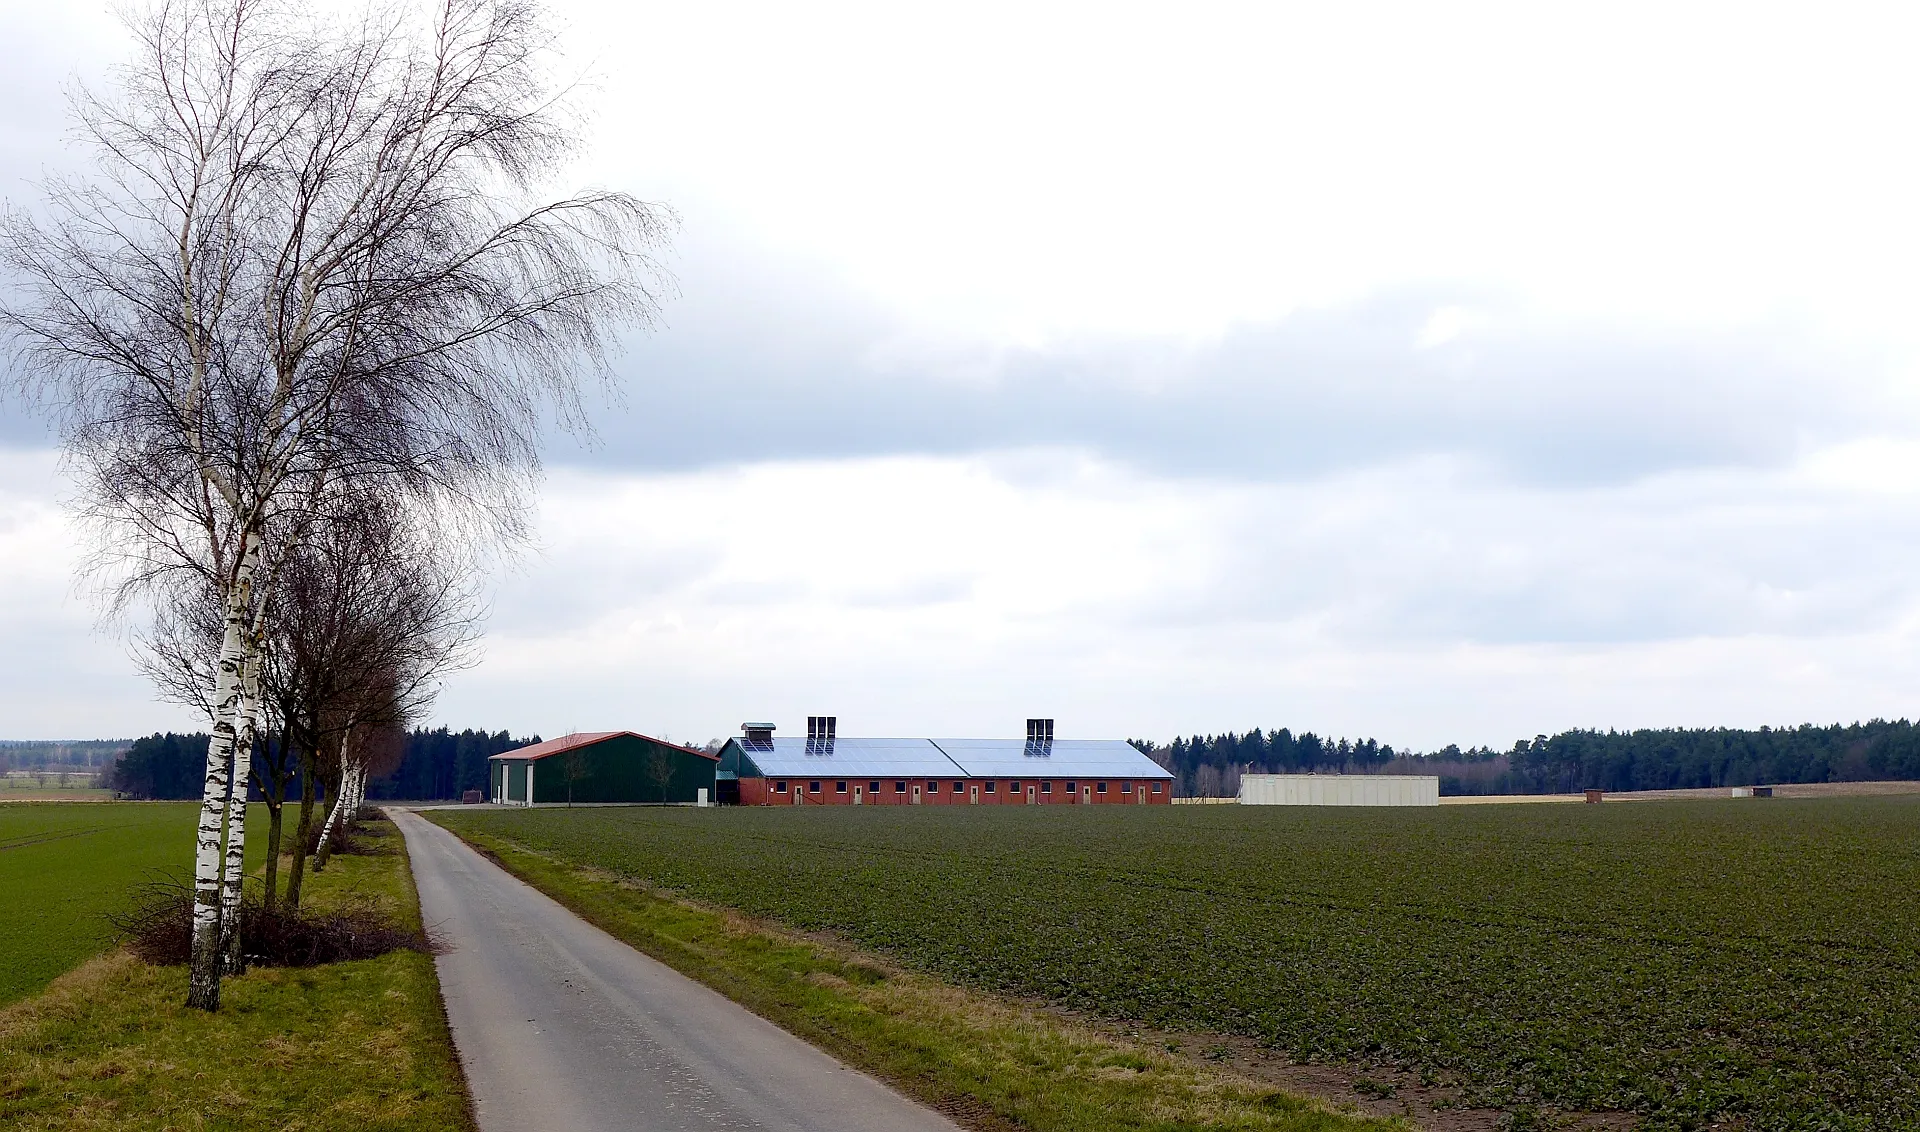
pixel 1684 961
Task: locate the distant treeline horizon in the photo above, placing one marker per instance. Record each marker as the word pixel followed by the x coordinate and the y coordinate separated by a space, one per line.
pixel 442 764
pixel 1672 758
pixel 60 754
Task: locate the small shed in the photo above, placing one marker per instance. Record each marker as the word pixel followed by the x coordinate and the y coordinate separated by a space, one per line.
pixel 601 767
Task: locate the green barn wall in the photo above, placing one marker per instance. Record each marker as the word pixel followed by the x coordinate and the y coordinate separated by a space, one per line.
pixel 618 770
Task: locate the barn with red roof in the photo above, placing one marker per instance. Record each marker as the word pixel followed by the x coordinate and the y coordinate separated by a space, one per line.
pixel 600 767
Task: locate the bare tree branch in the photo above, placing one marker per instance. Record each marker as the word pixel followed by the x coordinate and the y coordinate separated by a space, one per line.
pixel 315 261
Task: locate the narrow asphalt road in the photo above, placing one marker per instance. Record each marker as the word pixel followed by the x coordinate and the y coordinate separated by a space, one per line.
pixel 563 1028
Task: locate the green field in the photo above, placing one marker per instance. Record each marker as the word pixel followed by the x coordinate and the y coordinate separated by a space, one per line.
pixel 358 1045
pixel 64 868
pixel 1681 960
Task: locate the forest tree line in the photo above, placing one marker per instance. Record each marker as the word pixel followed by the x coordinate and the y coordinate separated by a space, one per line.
pixel 1649 759
pixel 59 754
pixel 437 765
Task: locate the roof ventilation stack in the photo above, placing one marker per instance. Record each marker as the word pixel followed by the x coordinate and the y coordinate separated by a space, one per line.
pixel 759 736
pixel 1039 737
pixel 820 729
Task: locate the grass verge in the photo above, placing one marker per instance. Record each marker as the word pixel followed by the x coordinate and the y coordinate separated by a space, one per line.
pixel 990 1063
pixel 360 1045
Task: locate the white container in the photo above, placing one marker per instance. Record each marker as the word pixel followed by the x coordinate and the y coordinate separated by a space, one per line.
pixel 1339 790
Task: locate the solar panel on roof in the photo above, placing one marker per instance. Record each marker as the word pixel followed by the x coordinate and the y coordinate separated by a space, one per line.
pixel 856 758
pixel 1092 758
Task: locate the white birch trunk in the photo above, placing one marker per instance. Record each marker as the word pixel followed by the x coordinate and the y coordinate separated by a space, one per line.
pixel 235 872
pixel 203 981
pixel 339 799
pixel 350 795
pixel 333 819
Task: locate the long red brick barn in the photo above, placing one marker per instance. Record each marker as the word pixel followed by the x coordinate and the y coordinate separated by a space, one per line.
pixel 759 769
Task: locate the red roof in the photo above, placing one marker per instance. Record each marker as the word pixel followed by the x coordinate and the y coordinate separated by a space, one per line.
pixel 588 738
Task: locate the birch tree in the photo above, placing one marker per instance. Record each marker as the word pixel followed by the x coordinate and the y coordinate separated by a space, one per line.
pixel 375 750
pixel 371 612
pixel 310 252
pixel 378 608
pixel 176 653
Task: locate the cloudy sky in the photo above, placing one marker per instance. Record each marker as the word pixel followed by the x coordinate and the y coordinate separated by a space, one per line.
pixel 1434 373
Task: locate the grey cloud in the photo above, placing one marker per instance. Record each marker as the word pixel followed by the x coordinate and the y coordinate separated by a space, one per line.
pixel 1418 554
pixel 765 365
pixel 20 429
pixel 788 369
pixel 527 602
pixel 915 593
pixel 769 357
pixel 766 358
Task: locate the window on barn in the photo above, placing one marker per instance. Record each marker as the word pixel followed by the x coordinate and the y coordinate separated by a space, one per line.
pixel 1013 788
pixel 1046 788
pixel 1126 788
pixel 933 788
pixel 899 788
pixel 813 787
pixel 1100 788
pixel 1069 787
pixel 959 788
pixel 780 787
pixel 873 788
pixel 1157 786
pixel 990 787
pixel 840 787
